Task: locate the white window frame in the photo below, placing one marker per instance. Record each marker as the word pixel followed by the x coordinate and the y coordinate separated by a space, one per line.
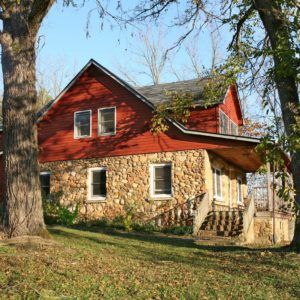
pixel 47 173
pixel 239 196
pixel 217 197
pixel 152 194
pixel 89 185
pixel 99 124
pixel 76 136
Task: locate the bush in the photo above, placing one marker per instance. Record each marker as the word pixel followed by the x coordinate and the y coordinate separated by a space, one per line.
pixel 55 213
pixel 179 230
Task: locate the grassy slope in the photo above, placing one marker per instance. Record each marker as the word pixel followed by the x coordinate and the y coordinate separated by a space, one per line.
pixel 86 265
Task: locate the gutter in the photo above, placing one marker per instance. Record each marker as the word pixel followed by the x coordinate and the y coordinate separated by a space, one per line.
pixel 214 135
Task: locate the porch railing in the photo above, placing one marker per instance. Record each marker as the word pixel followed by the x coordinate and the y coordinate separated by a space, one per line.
pixel 262 203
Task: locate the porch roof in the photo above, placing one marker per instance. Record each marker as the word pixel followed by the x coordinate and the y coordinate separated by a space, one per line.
pixel 245 158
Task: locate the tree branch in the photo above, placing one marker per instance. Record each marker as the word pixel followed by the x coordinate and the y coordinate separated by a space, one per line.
pixel 240 23
pixel 38 11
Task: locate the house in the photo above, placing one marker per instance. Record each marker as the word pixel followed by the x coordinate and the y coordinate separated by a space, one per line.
pixel 96 147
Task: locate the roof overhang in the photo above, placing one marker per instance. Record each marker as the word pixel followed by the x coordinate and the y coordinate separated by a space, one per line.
pixel 245 158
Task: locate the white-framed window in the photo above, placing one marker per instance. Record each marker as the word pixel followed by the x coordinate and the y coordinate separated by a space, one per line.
pixel 233 128
pixel 217 183
pixel 83 124
pixel 97 183
pixel 239 189
pixel 45 183
pixel 224 121
pixel 161 180
pixel 107 121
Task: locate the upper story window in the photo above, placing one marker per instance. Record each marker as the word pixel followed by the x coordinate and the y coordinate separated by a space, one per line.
pixel 45 183
pixel 227 126
pixel 83 124
pixel 224 120
pixel 97 183
pixel 217 183
pixel 233 128
pixel 107 121
pixel 161 180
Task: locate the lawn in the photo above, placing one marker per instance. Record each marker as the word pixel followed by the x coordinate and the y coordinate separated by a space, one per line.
pixel 119 265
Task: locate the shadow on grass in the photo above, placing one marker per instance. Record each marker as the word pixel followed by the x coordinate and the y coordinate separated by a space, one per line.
pixel 181 242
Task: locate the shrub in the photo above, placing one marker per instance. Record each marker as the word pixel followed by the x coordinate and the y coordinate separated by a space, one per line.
pixel 55 213
pixel 179 230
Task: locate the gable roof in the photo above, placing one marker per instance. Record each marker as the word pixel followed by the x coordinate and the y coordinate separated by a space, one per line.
pixel 157 93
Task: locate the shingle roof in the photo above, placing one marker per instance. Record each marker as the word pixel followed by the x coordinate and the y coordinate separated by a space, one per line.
pixel 157 93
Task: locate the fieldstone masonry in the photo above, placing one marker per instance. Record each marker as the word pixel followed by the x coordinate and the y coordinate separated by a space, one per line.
pixel 128 183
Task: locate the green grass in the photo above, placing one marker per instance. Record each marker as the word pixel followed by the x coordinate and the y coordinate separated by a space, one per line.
pixel 119 265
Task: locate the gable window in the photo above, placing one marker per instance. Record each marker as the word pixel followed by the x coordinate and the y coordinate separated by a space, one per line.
pixel 97 184
pixel 107 121
pixel 82 124
pixel 233 128
pixel 161 180
pixel 217 183
pixel 239 192
pixel 224 120
pixel 45 183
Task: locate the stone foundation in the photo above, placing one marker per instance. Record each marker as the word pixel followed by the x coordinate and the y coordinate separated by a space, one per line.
pixel 128 184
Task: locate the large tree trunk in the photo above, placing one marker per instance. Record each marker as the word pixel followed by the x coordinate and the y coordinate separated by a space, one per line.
pixel 285 64
pixel 23 213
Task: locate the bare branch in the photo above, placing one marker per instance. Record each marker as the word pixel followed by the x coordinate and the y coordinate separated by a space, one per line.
pixel 241 22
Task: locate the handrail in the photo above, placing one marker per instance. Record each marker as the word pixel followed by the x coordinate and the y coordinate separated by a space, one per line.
pixel 248 215
pixel 201 211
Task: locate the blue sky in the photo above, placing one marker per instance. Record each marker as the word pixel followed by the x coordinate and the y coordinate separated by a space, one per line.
pixel 63 40
pixel 63 37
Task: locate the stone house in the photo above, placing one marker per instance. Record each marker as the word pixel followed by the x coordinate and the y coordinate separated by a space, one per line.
pixel 97 148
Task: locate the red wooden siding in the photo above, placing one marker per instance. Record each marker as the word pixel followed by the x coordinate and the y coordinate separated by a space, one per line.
pixel 204 119
pixel 94 90
pixel 231 107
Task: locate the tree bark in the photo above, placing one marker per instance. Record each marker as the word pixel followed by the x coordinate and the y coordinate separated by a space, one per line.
pixel 23 214
pixel 285 66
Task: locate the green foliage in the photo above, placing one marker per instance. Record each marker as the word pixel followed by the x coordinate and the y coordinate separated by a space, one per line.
pixel 179 230
pixel 177 108
pixel 55 213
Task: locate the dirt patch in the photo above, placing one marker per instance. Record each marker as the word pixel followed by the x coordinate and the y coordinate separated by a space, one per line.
pixel 27 240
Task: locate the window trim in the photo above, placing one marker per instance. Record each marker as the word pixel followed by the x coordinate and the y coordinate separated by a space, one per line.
pixel 152 194
pixel 217 197
pixel 99 125
pixel 239 181
pixel 75 128
pixel 46 173
pixel 90 197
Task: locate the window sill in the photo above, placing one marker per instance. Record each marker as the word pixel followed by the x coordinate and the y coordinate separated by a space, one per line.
pixel 95 200
pixel 106 134
pixel 161 198
pixel 82 137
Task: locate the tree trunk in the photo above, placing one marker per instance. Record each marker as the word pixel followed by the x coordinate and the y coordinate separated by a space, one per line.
pixel 23 213
pixel 285 66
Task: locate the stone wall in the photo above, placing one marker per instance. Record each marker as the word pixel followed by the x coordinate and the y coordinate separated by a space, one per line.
pixel 263 228
pixel 128 183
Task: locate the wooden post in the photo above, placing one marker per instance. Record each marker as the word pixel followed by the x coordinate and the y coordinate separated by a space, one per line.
pixel 269 188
